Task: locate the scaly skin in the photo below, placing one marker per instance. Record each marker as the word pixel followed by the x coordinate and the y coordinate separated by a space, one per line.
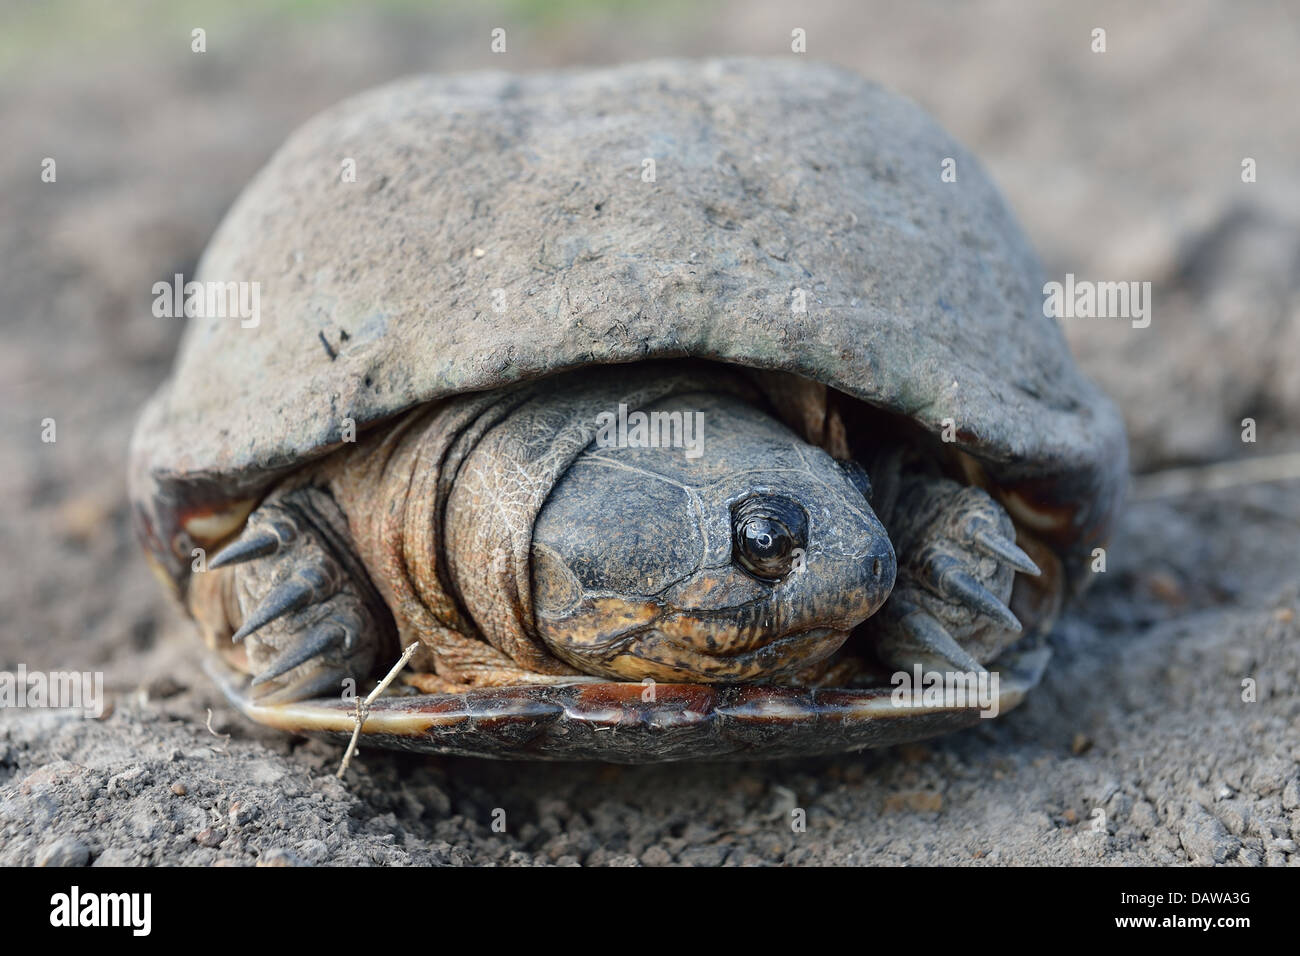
pixel 291 591
pixel 957 565
pixel 473 526
pixel 650 563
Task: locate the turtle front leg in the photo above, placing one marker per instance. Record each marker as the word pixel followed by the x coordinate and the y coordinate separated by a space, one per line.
pixel 957 560
pixel 298 599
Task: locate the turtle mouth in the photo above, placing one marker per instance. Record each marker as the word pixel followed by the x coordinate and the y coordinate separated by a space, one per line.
pixel 662 655
pixel 808 646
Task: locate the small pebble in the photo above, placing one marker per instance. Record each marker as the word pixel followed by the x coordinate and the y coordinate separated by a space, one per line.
pixel 1166 588
pixel 69 851
pixel 280 857
pixel 914 753
pixel 1291 794
pixel 85 518
pixel 210 837
pixel 242 813
pixel 656 856
pixel 919 801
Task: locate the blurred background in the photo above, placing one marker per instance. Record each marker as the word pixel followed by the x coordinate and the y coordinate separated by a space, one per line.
pixel 1124 165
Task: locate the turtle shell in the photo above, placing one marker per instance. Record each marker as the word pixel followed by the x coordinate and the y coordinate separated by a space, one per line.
pixel 620 723
pixel 442 235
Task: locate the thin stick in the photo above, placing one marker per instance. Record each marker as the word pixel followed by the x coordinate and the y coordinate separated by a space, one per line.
pixel 219 750
pixel 363 706
pixel 1215 477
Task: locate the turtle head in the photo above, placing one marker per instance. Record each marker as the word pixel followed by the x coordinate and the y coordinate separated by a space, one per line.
pixel 740 554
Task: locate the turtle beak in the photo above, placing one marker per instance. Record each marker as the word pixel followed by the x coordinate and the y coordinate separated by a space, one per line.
pixel 882 565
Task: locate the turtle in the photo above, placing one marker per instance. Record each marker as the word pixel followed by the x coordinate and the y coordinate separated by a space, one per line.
pixel 680 410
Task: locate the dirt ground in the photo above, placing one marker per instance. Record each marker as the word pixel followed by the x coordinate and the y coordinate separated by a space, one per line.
pixel 1142 746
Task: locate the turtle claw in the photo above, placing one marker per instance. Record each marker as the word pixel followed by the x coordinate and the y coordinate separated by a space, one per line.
pixel 310 618
pixel 315 642
pixel 1005 550
pixel 293 595
pixel 950 600
pixel 961 586
pixel 314 683
pixel 269 531
pixel 921 638
pixel 256 544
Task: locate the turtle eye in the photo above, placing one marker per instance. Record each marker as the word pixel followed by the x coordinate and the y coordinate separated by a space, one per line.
pixel 766 533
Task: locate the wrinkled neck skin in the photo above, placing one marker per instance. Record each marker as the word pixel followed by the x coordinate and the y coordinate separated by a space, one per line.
pixel 545 533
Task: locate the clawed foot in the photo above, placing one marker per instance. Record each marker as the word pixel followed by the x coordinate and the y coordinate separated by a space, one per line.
pixel 957 560
pixel 305 624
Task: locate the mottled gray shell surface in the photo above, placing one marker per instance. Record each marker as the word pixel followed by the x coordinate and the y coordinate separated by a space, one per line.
pixel 501 228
